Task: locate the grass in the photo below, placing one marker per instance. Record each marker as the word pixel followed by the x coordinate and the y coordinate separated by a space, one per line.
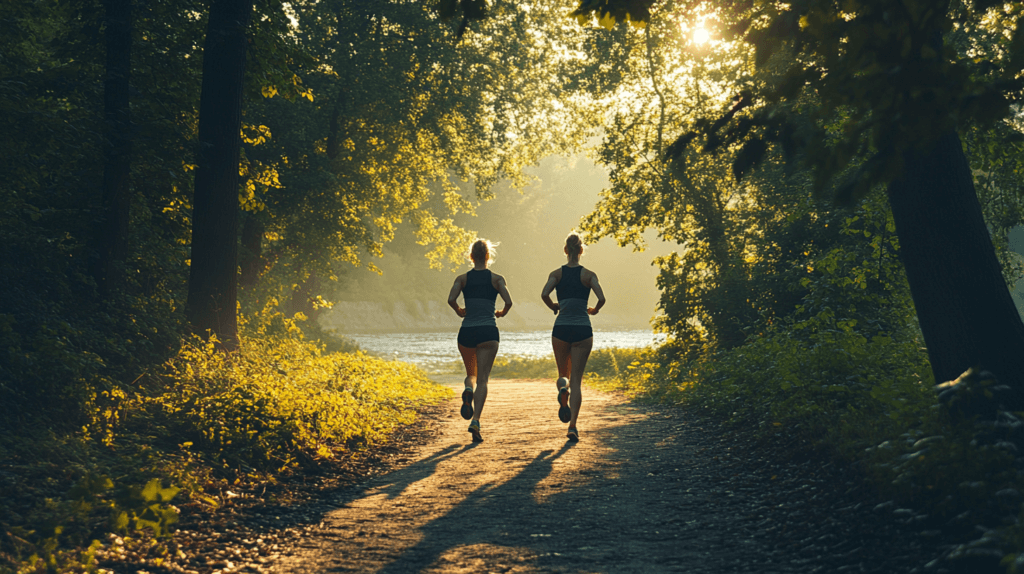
pixel 603 364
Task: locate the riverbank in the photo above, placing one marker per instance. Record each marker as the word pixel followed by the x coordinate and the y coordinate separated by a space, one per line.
pixel 436 351
pixel 415 316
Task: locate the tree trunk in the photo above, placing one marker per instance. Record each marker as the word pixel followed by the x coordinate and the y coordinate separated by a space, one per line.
pixel 252 264
pixel 213 278
pixel 963 305
pixel 112 227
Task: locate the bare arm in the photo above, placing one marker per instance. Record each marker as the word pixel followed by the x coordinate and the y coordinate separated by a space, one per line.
pixel 596 286
pixel 453 295
pixel 545 294
pixel 503 291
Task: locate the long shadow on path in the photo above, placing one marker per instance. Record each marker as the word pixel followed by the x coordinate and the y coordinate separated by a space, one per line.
pixel 631 497
pixel 491 515
pixel 645 491
pixel 397 482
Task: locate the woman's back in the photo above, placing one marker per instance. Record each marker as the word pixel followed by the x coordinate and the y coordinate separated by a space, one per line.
pixel 480 295
pixel 572 297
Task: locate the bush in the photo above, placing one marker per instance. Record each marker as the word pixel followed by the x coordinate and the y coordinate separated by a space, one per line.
pixel 278 400
pixel 65 353
pixel 201 417
pixel 835 388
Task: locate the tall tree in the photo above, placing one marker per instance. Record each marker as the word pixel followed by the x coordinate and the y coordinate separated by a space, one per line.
pixel 213 278
pixel 964 307
pixel 112 228
pixel 879 74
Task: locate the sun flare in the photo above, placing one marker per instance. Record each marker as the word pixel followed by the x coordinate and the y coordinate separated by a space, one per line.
pixel 701 35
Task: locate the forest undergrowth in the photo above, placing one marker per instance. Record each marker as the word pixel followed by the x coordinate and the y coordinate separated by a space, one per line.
pixel 870 404
pixel 826 392
pixel 182 435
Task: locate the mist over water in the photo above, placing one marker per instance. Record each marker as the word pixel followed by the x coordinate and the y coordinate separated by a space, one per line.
pixel 530 227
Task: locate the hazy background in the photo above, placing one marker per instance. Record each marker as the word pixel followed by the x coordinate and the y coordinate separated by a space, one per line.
pixel 531 227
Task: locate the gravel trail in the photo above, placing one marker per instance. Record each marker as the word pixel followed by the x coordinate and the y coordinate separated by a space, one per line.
pixel 644 490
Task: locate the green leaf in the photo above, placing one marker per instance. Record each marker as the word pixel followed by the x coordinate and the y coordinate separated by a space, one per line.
pixel 153 492
pixel 121 522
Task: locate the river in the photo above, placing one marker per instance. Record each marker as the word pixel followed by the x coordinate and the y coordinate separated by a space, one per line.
pixel 437 350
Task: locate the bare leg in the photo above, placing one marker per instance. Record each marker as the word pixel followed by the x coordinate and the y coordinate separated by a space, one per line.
pixel 469 359
pixel 562 358
pixel 485 354
pixel 579 352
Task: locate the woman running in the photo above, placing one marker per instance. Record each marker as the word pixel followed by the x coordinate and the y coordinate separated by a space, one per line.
pixel 478 336
pixel 572 337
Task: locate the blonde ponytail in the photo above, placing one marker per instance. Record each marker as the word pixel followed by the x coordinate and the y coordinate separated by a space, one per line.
pixel 482 251
pixel 574 244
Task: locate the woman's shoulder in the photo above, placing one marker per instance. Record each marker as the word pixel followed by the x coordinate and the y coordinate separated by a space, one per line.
pixel 586 274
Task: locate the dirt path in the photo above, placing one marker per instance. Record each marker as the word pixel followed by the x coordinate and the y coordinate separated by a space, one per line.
pixel 643 491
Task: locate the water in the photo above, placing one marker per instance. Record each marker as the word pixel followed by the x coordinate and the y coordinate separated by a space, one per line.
pixel 437 350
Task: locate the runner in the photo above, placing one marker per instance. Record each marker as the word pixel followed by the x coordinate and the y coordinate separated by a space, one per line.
pixel 572 337
pixel 478 336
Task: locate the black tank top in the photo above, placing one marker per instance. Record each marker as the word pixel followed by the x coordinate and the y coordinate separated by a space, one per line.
pixel 479 295
pixel 570 286
pixel 572 298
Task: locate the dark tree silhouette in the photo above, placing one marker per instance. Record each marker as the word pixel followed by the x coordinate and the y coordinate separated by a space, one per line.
pixel 251 259
pixel 213 277
pixel 963 305
pixel 112 225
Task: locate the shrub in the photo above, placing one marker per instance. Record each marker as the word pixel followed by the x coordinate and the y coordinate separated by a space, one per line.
pixel 248 415
pixel 279 400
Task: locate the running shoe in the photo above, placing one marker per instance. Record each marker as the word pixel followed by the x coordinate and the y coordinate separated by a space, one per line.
pixel 573 434
pixel 474 429
pixel 467 404
pixel 564 413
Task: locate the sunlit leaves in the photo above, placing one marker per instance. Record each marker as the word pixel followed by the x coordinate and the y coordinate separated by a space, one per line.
pixel 280 400
pixel 403 113
pixel 686 195
pixel 610 12
pixel 876 75
pixel 255 135
pixel 996 157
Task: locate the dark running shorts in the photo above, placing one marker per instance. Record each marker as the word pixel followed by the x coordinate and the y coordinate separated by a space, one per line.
pixel 473 336
pixel 572 333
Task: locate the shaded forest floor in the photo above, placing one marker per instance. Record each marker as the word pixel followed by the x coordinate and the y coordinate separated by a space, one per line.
pixel 647 489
